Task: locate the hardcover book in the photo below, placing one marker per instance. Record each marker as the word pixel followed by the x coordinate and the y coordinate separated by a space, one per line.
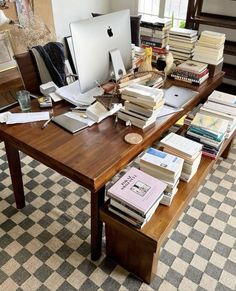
pixel 137 189
pixel 192 66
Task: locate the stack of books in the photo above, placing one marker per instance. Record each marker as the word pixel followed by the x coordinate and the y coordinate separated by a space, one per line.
pixel 210 48
pixel 191 72
pixel 186 149
pixel 137 56
pixel 182 42
pixel 135 196
pixel 142 104
pixel 210 131
pixel 221 105
pixel 165 167
pixel 154 32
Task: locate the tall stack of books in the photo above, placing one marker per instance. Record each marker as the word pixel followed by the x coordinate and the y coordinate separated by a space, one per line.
pixel 135 196
pixel 221 105
pixel 185 148
pixel 142 104
pixel 182 42
pixel 165 167
pixel 210 131
pixel 154 32
pixel 191 72
pixel 210 47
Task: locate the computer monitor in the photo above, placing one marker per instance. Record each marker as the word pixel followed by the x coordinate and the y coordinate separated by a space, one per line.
pixel 94 39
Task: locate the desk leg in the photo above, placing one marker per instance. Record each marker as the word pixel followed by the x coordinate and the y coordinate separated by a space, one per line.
pixel 97 200
pixel 16 175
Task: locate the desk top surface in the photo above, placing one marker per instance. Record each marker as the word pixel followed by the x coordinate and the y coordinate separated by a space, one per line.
pixel 94 155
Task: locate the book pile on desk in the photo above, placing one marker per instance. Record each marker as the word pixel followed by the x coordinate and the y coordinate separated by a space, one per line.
pixel 154 33
pixel 191 72
pixel 137 56
pixel 165 167
pixel 142 104
pixel 210 47
pixel 135 196
pixel 182 42
pixel 215 122
pixel 186 149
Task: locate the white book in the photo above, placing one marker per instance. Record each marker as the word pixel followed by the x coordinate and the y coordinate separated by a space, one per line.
pixel 182 145
pixel 165 162
pixel 220 107
pixel 98 112
pixel 141 109
pixel 146 103
pixel 223 98
pixel 143 92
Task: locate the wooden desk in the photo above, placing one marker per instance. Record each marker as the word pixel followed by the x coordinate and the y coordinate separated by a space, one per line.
pixel 91 157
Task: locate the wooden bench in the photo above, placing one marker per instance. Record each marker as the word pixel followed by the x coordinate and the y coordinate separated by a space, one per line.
pixel 137 250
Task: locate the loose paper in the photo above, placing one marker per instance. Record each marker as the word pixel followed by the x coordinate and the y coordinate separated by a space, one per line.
pixel 27 117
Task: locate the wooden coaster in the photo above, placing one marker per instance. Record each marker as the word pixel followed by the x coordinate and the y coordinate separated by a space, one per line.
pixel 133 138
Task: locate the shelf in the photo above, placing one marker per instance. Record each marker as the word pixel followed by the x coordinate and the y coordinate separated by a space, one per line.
pixel 215 20
pixel 230 48
pixel 230 71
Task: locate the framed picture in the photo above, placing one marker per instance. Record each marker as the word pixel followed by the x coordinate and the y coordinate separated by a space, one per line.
pixel 6 53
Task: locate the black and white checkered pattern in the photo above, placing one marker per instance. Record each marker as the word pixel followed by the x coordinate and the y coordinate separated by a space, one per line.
pixel 46 245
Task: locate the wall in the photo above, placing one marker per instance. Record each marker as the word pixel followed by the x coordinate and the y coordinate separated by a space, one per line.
pixel 123 4
pixel 67 11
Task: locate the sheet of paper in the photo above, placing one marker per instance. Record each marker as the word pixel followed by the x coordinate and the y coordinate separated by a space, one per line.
pixel 27 117
pixel 167 110
pixel 4 116
pixel 72 94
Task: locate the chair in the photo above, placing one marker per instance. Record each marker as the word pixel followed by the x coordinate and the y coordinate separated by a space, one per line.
pixel 28 71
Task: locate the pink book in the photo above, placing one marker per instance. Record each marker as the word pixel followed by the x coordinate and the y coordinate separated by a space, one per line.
pixel 137 190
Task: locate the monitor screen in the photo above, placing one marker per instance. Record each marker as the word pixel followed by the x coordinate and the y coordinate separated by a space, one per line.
pixel 93 40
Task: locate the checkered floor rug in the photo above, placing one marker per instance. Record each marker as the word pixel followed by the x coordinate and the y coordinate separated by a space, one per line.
pixel 46 245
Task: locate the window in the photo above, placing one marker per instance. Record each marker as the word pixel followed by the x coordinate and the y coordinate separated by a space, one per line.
pixel 165 8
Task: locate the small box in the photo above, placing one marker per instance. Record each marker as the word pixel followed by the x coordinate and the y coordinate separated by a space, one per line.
pixel 45 102
pixel 215 69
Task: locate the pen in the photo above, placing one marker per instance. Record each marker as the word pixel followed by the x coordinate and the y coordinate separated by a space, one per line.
pixel 46 123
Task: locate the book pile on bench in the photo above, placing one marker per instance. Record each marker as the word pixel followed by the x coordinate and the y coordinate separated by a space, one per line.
pixel 142 104
pixel 186 149
pixel 218 116
pixel 210 131
pixel 135 196
pixel 165 167
pixel 182 42
pixel 191 72
pixel 154 33
pixel 210 47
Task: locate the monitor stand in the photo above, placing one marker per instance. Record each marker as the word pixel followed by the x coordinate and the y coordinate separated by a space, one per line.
pixel 117 66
